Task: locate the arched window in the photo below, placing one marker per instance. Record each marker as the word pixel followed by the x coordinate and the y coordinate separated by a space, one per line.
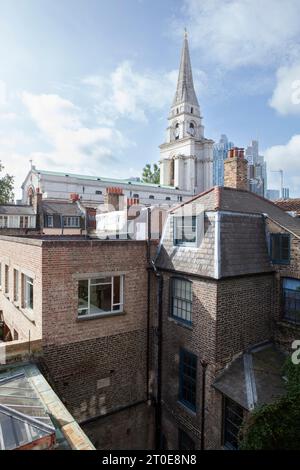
pixel 192 129
pixel 192 110
pixel 177 131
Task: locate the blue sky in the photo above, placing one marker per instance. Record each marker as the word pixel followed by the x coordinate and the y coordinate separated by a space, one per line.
pixel 86 86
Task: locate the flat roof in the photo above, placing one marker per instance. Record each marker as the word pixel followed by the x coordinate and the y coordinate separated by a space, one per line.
pixel 40 240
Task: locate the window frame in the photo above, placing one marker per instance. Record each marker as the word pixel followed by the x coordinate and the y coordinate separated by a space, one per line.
pixel 173 280
pixel 71 218
pixel 50 218
pixel 28 281
pixel 6 279
pixel 183 377
pixel 279 236
pixel 226 443
pixel 16 285
pixel 283 291
pixel 106 312
pixel 175 228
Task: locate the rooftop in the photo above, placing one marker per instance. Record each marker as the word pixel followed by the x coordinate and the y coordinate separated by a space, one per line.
pixel 255 378
pixel 290 205
pixel 104 180
pixel 31 411
pixel 246 202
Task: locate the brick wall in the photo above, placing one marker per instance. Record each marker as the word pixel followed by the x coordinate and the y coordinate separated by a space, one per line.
pixel 198 339
pixel 26 257
pixel 285 332
pixel 228 316
pixel 244 316
pixel 130 424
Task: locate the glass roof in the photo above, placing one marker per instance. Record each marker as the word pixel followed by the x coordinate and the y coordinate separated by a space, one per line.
pixel 23 418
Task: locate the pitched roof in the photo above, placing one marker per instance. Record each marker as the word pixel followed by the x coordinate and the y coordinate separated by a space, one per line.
pixel 291 205
pixel 60 207
pixel 185 92
pixel 255 378
pixel 237 200
pixel 16 209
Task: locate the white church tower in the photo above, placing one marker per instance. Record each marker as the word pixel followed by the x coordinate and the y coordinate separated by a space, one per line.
pixel 186 158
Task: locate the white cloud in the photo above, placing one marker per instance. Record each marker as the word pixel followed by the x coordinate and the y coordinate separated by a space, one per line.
pixel 128 93
pixel 287 158
pixel 3 94
pixel 286 96
pixel 74 144
pixel 236 33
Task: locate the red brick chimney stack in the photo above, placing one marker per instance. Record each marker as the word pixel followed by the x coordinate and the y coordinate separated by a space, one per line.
pixel 114 197
pixel 235 169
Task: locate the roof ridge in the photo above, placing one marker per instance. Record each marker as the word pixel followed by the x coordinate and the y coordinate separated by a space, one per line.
pixel 254 194
pixel 194 198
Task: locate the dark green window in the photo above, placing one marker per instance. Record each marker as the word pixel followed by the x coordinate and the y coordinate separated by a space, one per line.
pixel 280 248
pixel 233 418
pixel 181 300
pixel 187 379
pixel 291 300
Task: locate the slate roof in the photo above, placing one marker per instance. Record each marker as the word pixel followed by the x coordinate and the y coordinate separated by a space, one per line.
pixel 242 241
pixel 230 199
pixel 63 208
pixel 255 378
pixel 16 209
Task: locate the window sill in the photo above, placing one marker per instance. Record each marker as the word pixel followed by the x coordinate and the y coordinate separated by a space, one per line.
pixel 187 409
pixel 288 323
pixel 98 316
pixel 188 326
pixel 27 313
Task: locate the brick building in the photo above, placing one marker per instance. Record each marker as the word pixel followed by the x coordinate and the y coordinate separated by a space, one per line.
pixel 229 266
pixel 179 348
pixel 88 301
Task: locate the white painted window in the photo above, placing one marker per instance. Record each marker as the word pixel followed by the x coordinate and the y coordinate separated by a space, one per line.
pixel 16 285
pixel 185 230
pixel 49 221
pixel 72 221
pixel 6 281
pixel 28 292
pixel 3 221
pixel 99 296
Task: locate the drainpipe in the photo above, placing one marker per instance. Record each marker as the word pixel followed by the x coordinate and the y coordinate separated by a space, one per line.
pixel 159 359
pixel 204 367
pixel 148 301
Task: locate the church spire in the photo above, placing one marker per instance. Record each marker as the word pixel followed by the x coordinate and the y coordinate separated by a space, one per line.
pixel 185 92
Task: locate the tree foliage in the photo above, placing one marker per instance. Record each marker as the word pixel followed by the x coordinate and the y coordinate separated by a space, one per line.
pixel 149 175
pixel 6 187
pixel 277 425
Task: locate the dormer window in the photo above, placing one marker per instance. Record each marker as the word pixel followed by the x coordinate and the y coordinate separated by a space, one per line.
pixel 184 230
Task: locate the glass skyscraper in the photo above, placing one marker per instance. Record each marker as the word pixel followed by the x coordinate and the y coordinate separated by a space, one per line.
pixel 220 154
